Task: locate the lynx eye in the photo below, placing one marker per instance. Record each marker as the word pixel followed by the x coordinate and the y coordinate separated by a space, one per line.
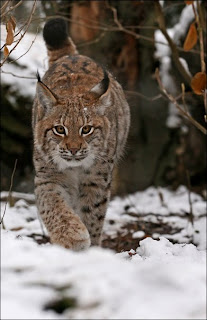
pixel 59 130
pixel 86 130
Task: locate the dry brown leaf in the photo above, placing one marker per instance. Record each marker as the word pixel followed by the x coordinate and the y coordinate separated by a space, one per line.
pixel 6 51
pixel 198 83
pixel 191 38
pixel 189 2
pixel 13 21
pixel 10 33
pixel 16 229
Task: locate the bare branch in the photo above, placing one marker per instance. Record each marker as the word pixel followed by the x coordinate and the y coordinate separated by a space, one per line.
pixel 170 43
pixel 182 112
pixel 157 97
pixel 12 8
pixel 135 93
pixel 115 16
pixel 200 33
pixel 189 197
pixel 183 96
pixel 109 28
pixel 202 53
pixel 4 6
pixel 17 76
pixel 173 47
pixel 21 37
pixel 9 195
pixel 96 40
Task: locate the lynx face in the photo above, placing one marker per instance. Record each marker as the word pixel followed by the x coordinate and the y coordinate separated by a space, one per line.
pixel 75 140
pixel 71 147
pixel 71 131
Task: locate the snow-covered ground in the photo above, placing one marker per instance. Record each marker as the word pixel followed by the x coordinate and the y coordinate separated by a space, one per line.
pixel 158 280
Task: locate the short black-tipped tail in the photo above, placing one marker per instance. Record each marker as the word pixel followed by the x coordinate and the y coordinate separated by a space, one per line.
pixel 55 34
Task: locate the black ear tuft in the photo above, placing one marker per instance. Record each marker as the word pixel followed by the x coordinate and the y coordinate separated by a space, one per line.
pixel 55 33
pixel 100 88
pixel 105 82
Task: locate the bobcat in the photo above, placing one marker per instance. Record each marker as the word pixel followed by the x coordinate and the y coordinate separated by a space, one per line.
pixel 80 125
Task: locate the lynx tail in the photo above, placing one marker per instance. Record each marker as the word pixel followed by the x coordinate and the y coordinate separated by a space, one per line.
pixel 58 42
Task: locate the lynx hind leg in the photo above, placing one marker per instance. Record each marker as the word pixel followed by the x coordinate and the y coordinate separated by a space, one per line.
pixel 64 226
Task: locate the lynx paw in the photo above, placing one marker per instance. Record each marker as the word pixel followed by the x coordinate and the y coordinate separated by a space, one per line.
pixel 76 240
pixel 81 245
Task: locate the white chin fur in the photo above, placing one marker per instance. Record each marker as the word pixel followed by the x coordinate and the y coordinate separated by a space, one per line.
pixel 64 164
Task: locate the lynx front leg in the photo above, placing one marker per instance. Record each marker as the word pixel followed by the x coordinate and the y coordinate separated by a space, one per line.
pixel 64 226
pixel 94 197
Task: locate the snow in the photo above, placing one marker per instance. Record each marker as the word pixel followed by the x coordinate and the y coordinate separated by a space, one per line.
pixel 158 280
pixel 160 205
pixel 138 234
pixel 176 32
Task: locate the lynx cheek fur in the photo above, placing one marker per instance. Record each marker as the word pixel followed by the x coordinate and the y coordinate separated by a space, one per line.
pixel 80 126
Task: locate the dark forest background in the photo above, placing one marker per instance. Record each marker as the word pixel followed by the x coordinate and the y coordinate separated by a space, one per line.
pixel 121 36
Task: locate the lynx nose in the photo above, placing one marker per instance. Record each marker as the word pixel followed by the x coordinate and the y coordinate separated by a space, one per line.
pixel 74 151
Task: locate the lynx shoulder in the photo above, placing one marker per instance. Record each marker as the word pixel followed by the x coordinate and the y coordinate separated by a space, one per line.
pixel 80 126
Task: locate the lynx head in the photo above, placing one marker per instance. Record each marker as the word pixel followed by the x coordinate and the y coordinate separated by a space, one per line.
pixel 71 130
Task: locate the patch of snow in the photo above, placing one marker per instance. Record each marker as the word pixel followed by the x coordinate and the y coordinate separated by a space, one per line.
pixel 138 234
pixel 158 280
pixel 162 50
pixel 161 280
pixel 185 65
pixel 174 119
pixel 174 209
pixel 161 2
pixel 181 28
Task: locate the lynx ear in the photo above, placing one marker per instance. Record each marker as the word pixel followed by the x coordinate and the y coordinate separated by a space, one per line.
pixel 101 92
pixel 45 96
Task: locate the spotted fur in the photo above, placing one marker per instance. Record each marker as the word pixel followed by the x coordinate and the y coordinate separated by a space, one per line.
pixel 80 126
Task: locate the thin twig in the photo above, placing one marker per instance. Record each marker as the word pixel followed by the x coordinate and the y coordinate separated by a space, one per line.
pixel 183 112
pixel 41 225
pixel 135 93
pixel 157 97
pixel 4 6
pixel 202 53
pixel 189 197
pixel 9 194
pixel 115 16
pixel 27 26
pixel 200 33
pixel 183 96
pixel 12 8
pixel 17 76
pixel 97 39
pixel 3 46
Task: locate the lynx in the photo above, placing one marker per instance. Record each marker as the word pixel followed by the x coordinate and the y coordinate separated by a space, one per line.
pixel 80 125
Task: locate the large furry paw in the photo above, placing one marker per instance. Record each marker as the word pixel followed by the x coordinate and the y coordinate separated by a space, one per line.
pixel 75 239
